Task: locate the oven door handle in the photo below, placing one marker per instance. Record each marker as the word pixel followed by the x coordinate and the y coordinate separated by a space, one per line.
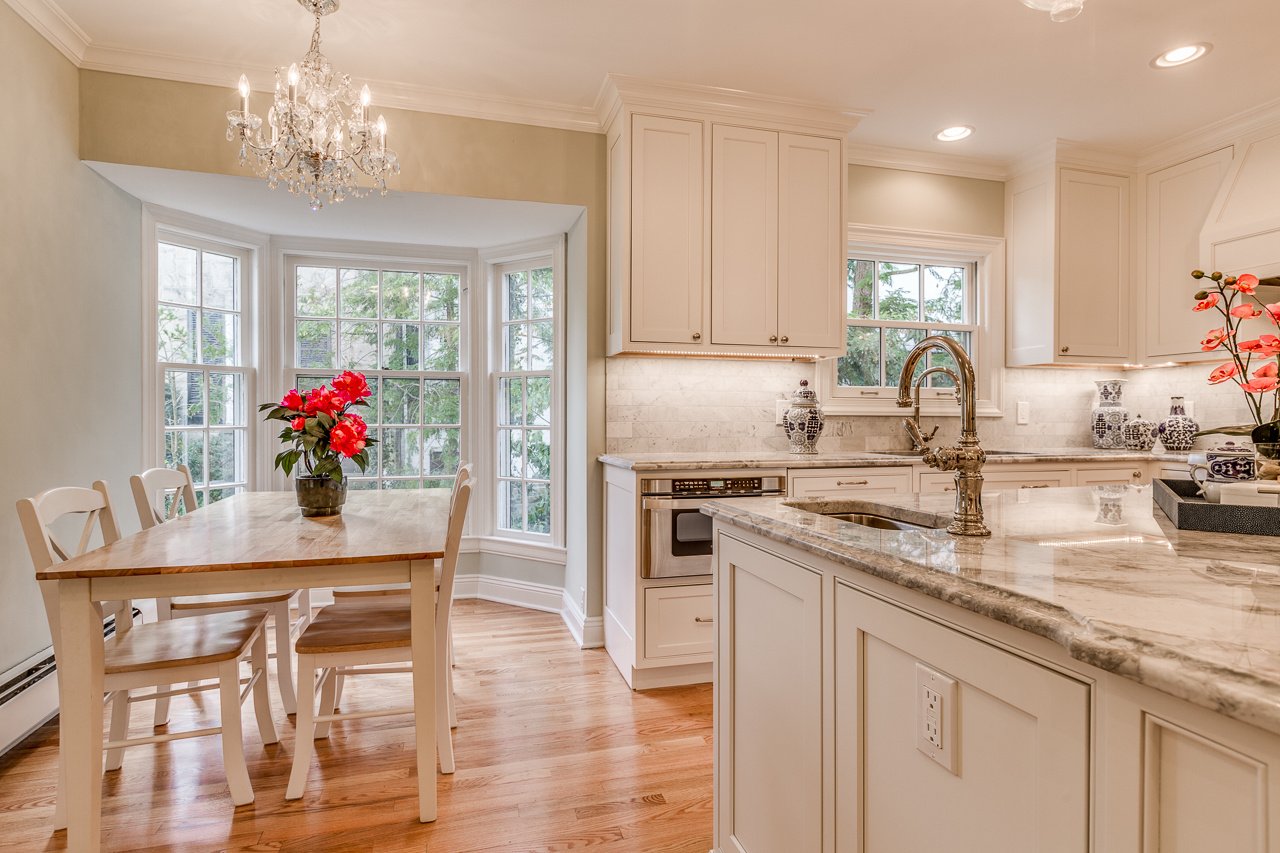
pixel 666 504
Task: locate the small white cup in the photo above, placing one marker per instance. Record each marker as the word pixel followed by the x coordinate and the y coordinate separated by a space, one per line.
pixel 1211 489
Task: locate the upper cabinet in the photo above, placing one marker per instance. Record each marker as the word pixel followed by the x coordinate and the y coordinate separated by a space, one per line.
pixel 1068 297
pixel 726 223
pixel 1178 202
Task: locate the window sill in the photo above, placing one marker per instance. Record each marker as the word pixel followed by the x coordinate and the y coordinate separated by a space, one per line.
pixel 508 547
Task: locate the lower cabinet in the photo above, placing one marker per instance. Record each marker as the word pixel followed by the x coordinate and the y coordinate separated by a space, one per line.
pixel 678 620
pixel 1017 735
pixel 999 480
pixel 848 482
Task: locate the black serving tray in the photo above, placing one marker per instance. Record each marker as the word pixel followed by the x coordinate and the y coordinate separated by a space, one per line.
pixel 1181 501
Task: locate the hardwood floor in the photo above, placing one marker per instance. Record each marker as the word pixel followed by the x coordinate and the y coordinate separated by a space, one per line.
pixel 553 752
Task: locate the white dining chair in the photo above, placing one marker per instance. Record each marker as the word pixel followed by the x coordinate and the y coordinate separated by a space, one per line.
pixel 156 654
pixel 159 494
pixel 359 637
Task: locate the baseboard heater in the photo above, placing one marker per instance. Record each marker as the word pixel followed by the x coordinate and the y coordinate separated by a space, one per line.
pixel 29 692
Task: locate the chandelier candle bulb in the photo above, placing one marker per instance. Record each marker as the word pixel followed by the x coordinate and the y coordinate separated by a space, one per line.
pixel 365 99
pixel 244 95
pixel 382 135
pixel 293 83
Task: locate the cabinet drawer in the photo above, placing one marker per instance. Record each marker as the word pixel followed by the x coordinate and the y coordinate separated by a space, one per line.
pixel 678 620
pixel 993 481
pixel 851 482
pixel 1175 472
pixel 1135 474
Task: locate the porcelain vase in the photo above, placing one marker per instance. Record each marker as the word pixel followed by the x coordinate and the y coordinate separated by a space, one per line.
pixel 1109 416
pixel 1139 434
pixel 803 422
pixel 1178 431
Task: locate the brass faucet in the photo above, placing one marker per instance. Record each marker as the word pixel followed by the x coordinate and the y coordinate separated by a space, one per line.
pixel 966 458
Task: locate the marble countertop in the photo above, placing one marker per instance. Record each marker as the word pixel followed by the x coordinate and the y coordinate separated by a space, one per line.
pixel 859 459
pixel 1099 570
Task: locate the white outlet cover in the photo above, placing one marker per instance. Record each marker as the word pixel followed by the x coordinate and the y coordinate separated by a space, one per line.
pixel 780 409
pixel 1024 412
pixel 937 723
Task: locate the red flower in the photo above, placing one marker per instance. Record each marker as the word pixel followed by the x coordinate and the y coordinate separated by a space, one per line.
pixel 323 400
pixel 344 438
pixel 1207 303
pixel 298 423
pixel 357 423
pixel 1265 346
pixel 1268 369
pixel 1222 373
pixel 292 400
pixel 1214 339
pixel 1261 384
pixel 1273 310
pixel 1246 283
pixel 1246 311
pixel 351 387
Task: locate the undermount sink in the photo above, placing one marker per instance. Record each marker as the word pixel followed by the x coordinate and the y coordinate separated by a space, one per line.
pixel 879 522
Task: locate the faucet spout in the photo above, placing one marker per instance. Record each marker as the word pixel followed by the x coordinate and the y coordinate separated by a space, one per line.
pixel 967 458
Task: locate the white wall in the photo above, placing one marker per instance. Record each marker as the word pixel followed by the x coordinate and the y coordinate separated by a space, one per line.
pixel 70 326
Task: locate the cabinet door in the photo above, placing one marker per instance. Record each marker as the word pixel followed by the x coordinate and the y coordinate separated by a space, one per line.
pixel 666 231
pixel 744 236
pixel 678 620
pixel 1137 474
pixel 1019 733
pixel 769 703
pixel 1012 478
pixel 811 241
pixel 1178 201
pixel 1093 266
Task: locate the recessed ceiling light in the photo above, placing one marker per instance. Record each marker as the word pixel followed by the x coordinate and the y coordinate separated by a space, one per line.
pixel 953 134
pixel 1181 55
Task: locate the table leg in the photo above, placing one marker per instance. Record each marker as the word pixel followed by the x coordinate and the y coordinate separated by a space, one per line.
pixel 422 608
pixel 80 709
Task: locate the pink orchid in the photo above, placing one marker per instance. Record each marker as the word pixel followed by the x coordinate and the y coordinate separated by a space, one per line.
pixel 1214 338
pixel 1207 303
pixel 1246 283
pixel 1268 369
pixel 1258 386
pixel 1273 310
pixel 1265 346
pixel 1222 373
pixel 1246 311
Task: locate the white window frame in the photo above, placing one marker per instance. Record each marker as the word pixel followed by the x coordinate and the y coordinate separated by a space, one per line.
pixel 160 224
pixel 550 251
pixel 325 253
pixel 985 255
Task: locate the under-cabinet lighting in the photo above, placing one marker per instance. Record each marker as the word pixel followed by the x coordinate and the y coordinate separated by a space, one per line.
pixel 1181 55
pixel 953 134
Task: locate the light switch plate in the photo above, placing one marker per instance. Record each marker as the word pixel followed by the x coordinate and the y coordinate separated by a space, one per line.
pixel 1024 412
pixel 780 409
pixel 937 720
pixel 1190 408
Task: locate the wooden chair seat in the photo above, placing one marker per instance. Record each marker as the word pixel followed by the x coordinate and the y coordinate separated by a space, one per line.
pixel 212 638
pixel 359 624
pixel 229 599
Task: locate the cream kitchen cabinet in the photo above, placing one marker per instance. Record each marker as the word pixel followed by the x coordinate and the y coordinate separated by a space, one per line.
pixel 1068 294
pixel 777 243
pixel 1178 201
pixel 1000 478
pixel 848 482
pixel 726 223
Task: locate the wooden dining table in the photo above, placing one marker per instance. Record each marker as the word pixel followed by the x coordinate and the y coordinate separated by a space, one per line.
pixel 251 542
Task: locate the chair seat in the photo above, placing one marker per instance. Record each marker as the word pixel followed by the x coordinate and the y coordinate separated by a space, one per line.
pixel 359 624
pixel 229 599
pixel 211 638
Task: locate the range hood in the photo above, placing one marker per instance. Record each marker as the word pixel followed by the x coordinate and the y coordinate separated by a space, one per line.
pixel 1242 231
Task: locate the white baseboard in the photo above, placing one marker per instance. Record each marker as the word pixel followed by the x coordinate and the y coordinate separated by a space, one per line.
pixel 588 631
pixel 31 708
pixel 534 596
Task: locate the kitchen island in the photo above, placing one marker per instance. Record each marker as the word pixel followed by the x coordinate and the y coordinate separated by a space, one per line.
pixel 1089 678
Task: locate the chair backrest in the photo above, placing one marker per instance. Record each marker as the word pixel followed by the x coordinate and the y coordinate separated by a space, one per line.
pixel 464 474
pixel 38 514
pixel 154 486
pixel 452 545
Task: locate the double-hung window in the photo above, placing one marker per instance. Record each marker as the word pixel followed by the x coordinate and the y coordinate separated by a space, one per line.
pixel 527 397
pixel 203 373
pixel 401 324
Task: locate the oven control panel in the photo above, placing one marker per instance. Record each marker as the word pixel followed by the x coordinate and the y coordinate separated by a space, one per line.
pixel 730 485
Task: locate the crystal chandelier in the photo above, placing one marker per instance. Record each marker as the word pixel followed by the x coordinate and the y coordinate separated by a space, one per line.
pixel 322 142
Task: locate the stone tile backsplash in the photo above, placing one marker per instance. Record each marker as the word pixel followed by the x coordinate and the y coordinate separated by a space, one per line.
pixel 692 405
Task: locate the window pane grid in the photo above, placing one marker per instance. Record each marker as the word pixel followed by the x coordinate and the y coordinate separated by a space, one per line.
pixel 203 382
pixel 890 307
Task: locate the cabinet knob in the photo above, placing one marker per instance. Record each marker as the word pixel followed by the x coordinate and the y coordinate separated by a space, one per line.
pixel 1065 350
pixel 697 336
pixel 1137 475
pixel 773 339
pixel 703 619
pixel 785 339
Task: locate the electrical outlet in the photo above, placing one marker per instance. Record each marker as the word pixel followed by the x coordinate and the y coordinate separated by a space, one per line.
pixel 937 732
pixel 1190 408
pixel 780 410
pixel 582 598
pixel 1024 412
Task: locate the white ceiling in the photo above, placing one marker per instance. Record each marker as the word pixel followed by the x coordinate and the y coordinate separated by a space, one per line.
pixel 401 217
pixel 918 65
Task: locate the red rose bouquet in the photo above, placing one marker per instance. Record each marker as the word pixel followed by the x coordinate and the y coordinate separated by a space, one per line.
pixel 322 427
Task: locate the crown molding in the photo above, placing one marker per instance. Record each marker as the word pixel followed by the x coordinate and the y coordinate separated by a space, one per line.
pixel 1074 155
pixel 775 110
pixel 932 162
pixel 1211 137
pixel 404 96
pixel 48 19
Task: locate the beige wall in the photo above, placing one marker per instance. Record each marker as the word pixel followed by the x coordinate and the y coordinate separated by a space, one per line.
pixel 183 128
pixel 70 326
pixel 928 202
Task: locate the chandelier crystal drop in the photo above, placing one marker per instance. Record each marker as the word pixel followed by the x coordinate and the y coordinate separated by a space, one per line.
pixel 322 143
